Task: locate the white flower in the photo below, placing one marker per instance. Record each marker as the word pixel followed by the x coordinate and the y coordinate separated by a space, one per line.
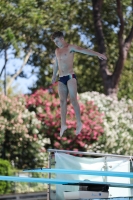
pixel 117 122
pixel 33 113
pixel 35 131
pixel 39 109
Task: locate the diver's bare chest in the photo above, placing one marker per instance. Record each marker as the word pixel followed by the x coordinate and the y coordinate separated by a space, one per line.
pixel 63 54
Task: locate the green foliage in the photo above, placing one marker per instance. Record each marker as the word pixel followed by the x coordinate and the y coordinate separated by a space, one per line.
pixel 22 187
pixel 29 23
pixel 117 124
pixel 73 20
pixel 126 83
pixel 77 21
pixel 12 90
pixel 5 170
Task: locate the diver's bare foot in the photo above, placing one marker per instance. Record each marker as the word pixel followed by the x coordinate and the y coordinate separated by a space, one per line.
pixel 79 128
pixel 63 128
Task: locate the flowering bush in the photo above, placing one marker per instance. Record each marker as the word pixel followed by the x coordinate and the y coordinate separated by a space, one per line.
pixel 47 108
pixel 117 121
pixel 18 133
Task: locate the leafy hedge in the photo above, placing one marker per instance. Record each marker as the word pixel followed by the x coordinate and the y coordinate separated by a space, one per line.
pixel 5 170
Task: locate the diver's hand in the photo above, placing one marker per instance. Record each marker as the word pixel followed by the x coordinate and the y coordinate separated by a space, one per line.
pixel 102 57
pixel 53 79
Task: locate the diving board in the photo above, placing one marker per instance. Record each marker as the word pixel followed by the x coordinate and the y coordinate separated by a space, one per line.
pixel 83 172
pixel 62 182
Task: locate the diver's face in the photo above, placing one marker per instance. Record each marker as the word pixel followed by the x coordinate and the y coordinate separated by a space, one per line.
pixel 59 41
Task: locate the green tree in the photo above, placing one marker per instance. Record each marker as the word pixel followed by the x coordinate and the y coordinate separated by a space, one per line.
pixel 20 30
pixel 109 35
pixel 27 25
pixel 121 20
pixel 12 90
pixel 68 18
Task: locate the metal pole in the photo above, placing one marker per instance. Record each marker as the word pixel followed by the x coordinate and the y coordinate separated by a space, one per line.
pixel 90 153
pixel 49 175
pixel 105 169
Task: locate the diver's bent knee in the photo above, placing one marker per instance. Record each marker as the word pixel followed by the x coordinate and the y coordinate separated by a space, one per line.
pixel 63 101
pixel 73 100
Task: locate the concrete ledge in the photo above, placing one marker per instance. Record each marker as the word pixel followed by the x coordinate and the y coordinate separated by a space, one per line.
pixel 25 196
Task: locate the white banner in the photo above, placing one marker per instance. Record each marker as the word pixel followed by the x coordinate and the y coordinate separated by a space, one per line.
pixel 65 161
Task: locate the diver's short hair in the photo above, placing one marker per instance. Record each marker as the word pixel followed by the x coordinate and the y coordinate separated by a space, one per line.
pixel 57 34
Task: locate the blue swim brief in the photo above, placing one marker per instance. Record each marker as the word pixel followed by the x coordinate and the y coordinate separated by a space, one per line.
pixel 64 79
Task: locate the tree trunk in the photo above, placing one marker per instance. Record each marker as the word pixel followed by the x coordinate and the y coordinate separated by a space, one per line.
pixel 110 81
pixel 20 70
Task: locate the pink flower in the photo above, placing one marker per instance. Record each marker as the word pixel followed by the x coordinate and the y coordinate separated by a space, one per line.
pixel 64 138
pixel 56 144
pixel 51 120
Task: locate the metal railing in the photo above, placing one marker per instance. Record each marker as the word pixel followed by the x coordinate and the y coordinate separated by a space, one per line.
pixel 89 153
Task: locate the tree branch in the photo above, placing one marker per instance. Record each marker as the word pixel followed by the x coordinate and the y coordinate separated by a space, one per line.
pixel 120 15
pixel 97 4
pixel 120 62
pixel 128 40
pixel 20 70
pixel 123 45
pixel 6 59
